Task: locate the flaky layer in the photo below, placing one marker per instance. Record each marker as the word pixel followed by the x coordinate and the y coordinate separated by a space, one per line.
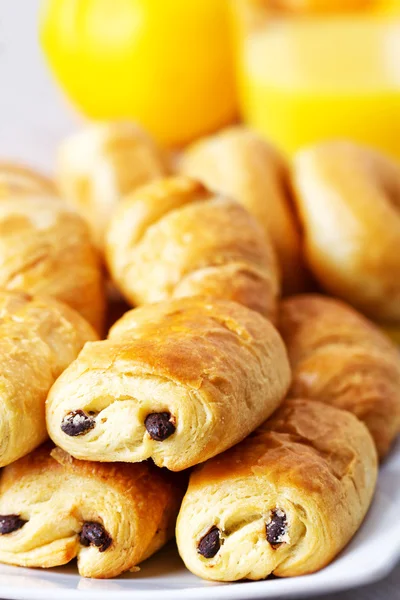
pixel 341 358
pixel 205 373
pixel 239 163
pixel 111 517
pixel 174 238
pixel 348 197
pixel 39 338
pixel 284 501
pixel 45 249
pixel 98 166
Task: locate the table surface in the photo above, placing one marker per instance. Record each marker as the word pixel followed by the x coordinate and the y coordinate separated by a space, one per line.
pixel 34 117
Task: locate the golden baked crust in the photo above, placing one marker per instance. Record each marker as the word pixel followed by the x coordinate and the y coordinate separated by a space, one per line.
pixel 341 358
pixel 45 249
pixel 213 370
pixel 39 338
pixel 103 163
pixel 128 510
pixel 284 501
pixel 348 200
pixel 16 180
pixel 174 238
pixel 241 164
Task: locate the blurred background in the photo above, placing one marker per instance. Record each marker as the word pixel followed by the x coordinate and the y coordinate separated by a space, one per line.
pixel 296 70
pixel 34 117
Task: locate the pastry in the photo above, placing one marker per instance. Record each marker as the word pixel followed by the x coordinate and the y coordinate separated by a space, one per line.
pixel 341 358
pixel 348 200
pixel 101 164
pixel 241 164
pixel 111 517
pixel 45 249
pixel 177 382
pixel 284 502
pixel 175 238
pixel 16 180
pixel 39 338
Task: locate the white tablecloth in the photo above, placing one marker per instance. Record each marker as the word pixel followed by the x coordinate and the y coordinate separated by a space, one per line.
pixel 34 118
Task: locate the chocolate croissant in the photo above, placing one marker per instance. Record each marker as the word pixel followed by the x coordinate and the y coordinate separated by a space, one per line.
pixel 16 180
pixel 341 358
pixel 101 164
pixel 175 238
pixel 348 201
pixel 285 501
pixel 177 382
pixel 111 517
pixel 45 249
pixel 241 164
pixel 39 338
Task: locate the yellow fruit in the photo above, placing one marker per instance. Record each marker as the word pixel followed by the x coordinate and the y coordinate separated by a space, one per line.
pixel 164 63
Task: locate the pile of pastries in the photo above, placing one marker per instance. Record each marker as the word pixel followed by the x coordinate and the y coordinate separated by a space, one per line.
pixel 245 403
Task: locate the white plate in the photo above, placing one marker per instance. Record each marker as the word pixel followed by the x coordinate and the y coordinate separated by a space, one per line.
pixel 370 556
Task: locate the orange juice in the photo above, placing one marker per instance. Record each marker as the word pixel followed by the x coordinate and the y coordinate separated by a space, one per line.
pixel 312 77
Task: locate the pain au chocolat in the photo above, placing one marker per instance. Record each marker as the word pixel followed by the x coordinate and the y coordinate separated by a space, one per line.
pixel 99 165
pixel 285 501
pixel 348 200
pixel 238 162
pixel 110 516
pixel 45 249
pixel 39 338
pixel 177 382
pixel 341 358
pixel 174 238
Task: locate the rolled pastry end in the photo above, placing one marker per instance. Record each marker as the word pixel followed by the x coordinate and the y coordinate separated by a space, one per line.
pixel 285 501
pixel 131 419
pixel 111 517
pixel 247 535
pixel 177 382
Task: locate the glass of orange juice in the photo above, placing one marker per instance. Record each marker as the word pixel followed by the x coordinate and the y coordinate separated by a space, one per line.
pixel 314 69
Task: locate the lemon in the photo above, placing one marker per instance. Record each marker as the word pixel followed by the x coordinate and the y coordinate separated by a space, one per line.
pixel 165 63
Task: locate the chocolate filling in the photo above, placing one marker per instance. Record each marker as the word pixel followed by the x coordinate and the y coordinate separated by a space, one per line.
pixel 276 528
pixel 159 426
pixel 77 422
pixel 94 534
pixel 10 523
pixel 210 543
